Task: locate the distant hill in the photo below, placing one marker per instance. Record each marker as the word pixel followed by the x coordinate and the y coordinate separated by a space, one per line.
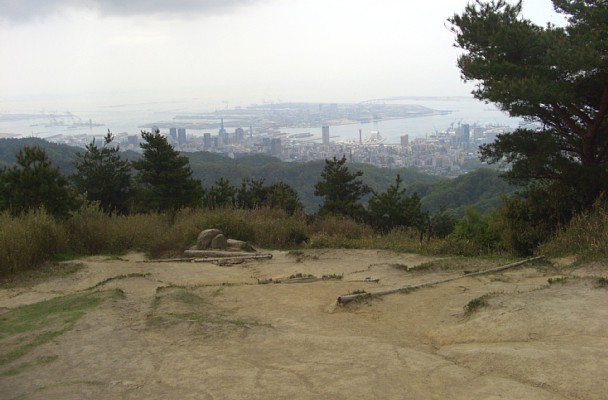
pixel 61 155
pixel 482 188
pixel 208 167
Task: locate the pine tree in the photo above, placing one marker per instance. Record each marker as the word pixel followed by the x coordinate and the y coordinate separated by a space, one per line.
pixel 392 209
pixel 164 177
pixel 104 177
pixel 32 183
pixel 341 190
pixel 554 76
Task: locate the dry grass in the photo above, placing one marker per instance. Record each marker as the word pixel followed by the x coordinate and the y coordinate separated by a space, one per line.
pixel 29 240
pixel 586 236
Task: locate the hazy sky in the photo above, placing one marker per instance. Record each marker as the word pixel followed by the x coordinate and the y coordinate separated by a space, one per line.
pixel 240 51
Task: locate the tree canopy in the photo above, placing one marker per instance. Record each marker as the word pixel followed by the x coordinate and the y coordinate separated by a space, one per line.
pixel 556 77
pixel 103 176
pixel 34 182
pixel 393 209
pixel 341 190
pixel 165 177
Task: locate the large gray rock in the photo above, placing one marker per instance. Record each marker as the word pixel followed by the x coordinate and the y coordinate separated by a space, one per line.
pixel 219 242
pixel 204 239
pixel 214 239
pixel 240 245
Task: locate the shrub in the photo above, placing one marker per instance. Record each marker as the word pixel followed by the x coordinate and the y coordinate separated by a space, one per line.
pixel 339 226
pixel 29 239
pixel 476 234
pixel 475 304
pixel 585 235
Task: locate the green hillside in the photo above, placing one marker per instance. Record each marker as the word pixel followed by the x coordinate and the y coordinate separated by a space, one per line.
pixel 482 188
pixel 61 155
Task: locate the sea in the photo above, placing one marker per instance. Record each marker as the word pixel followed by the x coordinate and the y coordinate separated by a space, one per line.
pixel 130 119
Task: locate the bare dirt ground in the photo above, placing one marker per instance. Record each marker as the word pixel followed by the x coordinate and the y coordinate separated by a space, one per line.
pixel 202 331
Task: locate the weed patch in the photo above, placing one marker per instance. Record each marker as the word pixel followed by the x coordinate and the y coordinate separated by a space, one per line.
pixel 174 305
pixel 478 303
pixel 29 365
pixel 601 283
pixel 466 265
pixel 300 256
pixel 560 279
pixel 118 277
pixel 45 272
pixel 27 327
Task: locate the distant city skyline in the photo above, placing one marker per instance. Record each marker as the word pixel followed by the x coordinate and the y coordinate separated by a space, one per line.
pixel 64 53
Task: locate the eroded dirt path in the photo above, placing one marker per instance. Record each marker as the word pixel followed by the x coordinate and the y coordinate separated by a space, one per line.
pixel 200 331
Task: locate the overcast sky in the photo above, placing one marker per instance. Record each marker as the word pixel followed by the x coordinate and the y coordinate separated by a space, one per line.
pixel 240 51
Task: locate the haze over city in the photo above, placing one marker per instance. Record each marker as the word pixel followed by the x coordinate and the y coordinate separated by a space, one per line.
pixel 61 53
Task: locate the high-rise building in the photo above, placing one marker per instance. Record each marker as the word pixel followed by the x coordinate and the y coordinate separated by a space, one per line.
pixel 222 138
pixel 239 134
pixel 173 133
pixel 222 135
pixel 325 134
pixel 207 140
pixel 222 129
pixel 275 147
pixel 405 140
pixel 181 136
pixel 466 135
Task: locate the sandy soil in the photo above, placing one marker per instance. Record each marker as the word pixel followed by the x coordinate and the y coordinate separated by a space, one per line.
pixel 202 331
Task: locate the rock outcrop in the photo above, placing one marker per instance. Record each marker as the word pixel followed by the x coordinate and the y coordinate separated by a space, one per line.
pixel 214 239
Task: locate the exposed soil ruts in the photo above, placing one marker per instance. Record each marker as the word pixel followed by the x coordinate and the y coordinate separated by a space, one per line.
pixel 202 331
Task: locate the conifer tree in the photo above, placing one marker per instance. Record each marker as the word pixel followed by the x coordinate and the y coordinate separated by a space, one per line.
pixel 392 209
pixel 554 76
pixel 164 177
pixel 104 177
pixel 341 190
pixel 33 182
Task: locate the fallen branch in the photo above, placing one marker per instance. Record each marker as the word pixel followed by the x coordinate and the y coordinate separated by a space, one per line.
pixel 350 297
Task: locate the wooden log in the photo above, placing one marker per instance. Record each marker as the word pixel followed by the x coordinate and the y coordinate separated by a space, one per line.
pixel 249 256
pixel 350 297
pixel 161 260
pixel 226 258
pixel 216 253
pixel 305 279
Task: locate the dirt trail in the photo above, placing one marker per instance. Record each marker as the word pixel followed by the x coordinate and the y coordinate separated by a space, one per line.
pixel 201 331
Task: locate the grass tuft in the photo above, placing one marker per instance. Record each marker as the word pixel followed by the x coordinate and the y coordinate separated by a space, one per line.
pixel 601 282
pixel 27 327
pixel 586 236
pixel 478 303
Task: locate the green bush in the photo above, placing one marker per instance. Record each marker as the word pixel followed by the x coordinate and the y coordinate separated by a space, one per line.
pixel 529 219
pixel 474 234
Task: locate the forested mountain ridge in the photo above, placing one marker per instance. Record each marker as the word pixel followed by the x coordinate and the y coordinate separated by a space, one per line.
pixel 482 188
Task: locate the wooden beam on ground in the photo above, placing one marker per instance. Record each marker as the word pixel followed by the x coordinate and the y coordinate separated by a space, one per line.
pixel 161 260
pixel 227 258
pixel 216 253
pixel 347 298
